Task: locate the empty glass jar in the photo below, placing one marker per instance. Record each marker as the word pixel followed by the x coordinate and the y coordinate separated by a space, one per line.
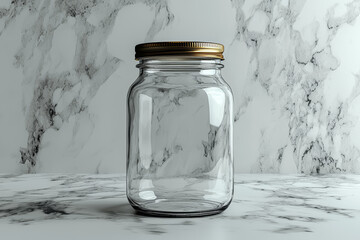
pixel 179 139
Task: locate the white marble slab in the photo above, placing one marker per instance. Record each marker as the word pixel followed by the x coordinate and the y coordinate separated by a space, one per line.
pixel 292 64
pixel 53 206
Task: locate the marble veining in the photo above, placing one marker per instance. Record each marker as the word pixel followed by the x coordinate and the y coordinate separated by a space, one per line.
pixel 292 65
pixel 264 206
pixel 294 73
pixel 61 91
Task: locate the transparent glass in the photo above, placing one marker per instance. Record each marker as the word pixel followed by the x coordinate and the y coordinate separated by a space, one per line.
pixel 179 146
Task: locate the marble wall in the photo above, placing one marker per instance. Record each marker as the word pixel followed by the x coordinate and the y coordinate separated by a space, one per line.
pixel 293 65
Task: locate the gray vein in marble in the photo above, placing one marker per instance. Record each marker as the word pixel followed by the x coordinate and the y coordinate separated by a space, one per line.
pixel 92 64
pixel 302 92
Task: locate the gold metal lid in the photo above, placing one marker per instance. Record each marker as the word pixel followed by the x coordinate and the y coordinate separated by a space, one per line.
pixel 183 49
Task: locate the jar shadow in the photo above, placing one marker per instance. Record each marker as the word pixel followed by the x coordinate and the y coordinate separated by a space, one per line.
pixel 122 209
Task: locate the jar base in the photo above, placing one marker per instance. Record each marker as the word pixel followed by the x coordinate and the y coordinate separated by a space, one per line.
pixel 170 208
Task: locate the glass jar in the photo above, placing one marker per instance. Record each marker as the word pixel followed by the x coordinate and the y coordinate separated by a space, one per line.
pixel 180 123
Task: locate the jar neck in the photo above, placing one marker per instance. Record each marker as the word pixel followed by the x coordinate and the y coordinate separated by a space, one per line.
pixel 167 65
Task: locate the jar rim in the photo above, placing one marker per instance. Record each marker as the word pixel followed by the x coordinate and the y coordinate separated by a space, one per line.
pixel 195 49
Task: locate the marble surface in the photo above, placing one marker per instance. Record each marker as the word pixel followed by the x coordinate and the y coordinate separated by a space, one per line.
pixel 292 64
pixel 54 206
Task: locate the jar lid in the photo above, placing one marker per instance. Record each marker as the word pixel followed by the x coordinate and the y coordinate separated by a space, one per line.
pixel 183 49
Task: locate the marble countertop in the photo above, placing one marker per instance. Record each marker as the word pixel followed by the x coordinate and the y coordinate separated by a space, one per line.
pixel 52 206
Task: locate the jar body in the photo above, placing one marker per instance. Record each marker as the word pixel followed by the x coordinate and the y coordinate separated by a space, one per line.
pixel 179 152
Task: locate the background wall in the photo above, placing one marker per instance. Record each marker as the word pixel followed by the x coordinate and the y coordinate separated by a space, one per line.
pixel 293 65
